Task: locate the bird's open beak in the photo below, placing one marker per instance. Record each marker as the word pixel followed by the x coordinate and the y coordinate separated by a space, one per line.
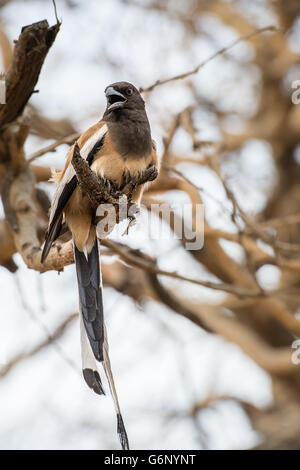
pixel 115 99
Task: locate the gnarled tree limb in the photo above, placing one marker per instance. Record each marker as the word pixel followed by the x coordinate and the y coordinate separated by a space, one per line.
pixel 29 54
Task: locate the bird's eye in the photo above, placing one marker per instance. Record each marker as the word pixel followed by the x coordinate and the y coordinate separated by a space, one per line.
pixel 129 91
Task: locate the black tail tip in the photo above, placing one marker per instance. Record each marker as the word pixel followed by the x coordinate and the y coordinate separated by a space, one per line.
pixel 122 433
pixel 93 380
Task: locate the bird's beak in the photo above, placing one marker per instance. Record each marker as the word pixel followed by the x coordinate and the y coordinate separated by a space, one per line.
pixel 115 99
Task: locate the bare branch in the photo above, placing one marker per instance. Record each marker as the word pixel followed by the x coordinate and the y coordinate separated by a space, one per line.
pixel 196 69
pixel 127 256
pixel 58 332
pixel 69 139
pixel 29 54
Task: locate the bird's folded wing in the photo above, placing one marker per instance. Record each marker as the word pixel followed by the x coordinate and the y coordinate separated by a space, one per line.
pixel 89 143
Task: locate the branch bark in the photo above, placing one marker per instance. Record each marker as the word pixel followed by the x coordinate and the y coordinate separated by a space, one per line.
pixel 29 54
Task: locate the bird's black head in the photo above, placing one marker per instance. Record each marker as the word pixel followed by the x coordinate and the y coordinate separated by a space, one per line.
pixel 123 95
pixel 127 120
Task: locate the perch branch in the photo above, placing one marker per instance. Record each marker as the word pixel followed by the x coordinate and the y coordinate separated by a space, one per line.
pixel 100 190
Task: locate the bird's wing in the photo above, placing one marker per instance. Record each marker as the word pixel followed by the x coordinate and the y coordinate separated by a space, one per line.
pixel 89 143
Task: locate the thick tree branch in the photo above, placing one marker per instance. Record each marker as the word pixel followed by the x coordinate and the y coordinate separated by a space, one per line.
pixel 29 54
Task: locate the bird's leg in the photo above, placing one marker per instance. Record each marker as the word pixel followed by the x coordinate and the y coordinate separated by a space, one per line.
pixel 134 209
pixel 133 189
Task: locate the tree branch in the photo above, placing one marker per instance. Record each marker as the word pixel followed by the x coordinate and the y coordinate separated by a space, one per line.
pixel 196 69
pixel 29 54
pixel 58 332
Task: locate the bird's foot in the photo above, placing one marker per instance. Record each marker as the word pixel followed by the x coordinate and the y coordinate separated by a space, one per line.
pixel 151 173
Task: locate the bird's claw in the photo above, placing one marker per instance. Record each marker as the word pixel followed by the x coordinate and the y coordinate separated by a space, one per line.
pixel 152 172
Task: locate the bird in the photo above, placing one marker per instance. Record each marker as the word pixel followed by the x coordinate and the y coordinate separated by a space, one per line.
pixel 118 146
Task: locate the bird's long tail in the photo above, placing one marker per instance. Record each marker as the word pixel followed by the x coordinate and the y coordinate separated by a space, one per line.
pixel 94 344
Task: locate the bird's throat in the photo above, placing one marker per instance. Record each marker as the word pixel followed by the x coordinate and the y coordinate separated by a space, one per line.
pixel 130 134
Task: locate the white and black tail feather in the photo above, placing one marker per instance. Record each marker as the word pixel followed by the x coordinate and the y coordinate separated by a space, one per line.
pixel 90 297
pixel 108 372
pixel 93 332
pixel 89 365
pixel 93 335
